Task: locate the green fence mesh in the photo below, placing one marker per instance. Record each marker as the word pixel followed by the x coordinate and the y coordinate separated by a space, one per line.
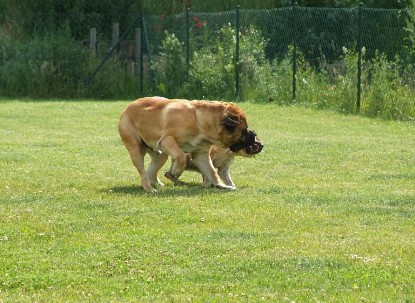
pixel 318 32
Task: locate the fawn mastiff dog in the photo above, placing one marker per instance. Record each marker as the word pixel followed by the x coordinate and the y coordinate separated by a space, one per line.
pixel 163 127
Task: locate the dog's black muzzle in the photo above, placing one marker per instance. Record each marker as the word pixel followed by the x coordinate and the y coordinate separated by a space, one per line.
pixel 255 148
pixel 249 142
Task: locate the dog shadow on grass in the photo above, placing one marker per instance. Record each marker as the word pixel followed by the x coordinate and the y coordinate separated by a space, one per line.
pixel 189 189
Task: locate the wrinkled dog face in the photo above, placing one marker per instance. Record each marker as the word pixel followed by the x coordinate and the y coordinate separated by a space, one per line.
pixel 236 126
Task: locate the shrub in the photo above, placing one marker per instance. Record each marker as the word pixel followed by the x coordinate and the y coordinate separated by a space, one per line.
pixel 213 74
pixel 212 69
pixel 170 68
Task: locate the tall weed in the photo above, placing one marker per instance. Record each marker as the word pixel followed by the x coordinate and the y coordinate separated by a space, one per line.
pixel 52 65
pixel 332 86
pixel 387 95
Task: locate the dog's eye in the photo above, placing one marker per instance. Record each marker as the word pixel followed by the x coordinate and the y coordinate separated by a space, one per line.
pixel 230 128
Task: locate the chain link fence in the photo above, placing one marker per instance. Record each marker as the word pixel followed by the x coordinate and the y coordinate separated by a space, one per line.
pixel 321 35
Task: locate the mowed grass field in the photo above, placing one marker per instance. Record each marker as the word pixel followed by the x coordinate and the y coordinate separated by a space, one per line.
pixel 326 213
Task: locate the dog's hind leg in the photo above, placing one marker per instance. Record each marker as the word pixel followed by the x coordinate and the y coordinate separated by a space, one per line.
pixel 157 161
pixel 137 149
pixel 137 153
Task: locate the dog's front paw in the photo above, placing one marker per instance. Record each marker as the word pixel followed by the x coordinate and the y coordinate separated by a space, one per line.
pixel 157 183
pixel 223 186
pixel 174 179
pixel 149 189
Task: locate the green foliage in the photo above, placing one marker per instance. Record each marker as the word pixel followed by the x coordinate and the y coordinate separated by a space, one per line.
pixel 27 18
pixel 346 82
pixel 52 63
pixel 334 86
pixel 56 65
pixel 112 81
pixel 409 45
pixel 212 70
pixel 330 85
pixel 174 6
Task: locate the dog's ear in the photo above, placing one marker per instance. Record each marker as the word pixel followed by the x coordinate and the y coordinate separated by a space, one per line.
pixel 231 119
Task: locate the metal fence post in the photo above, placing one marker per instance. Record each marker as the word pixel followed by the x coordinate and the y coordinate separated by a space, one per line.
pixel 294 59
pixel 93 38
pixel 115 33
pixel 140 58
pixel 238 29
pixel 145 37
pixel 359 57
pixel 147 46
pixel 187 38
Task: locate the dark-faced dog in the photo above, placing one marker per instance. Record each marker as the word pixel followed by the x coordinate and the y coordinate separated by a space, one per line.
pixel 222 160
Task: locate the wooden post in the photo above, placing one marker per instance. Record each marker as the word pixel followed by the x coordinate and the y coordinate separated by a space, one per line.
pixel 93 38
pixel 115 33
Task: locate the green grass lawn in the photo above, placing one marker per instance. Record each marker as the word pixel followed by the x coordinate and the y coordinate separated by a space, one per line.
pixel 325 214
